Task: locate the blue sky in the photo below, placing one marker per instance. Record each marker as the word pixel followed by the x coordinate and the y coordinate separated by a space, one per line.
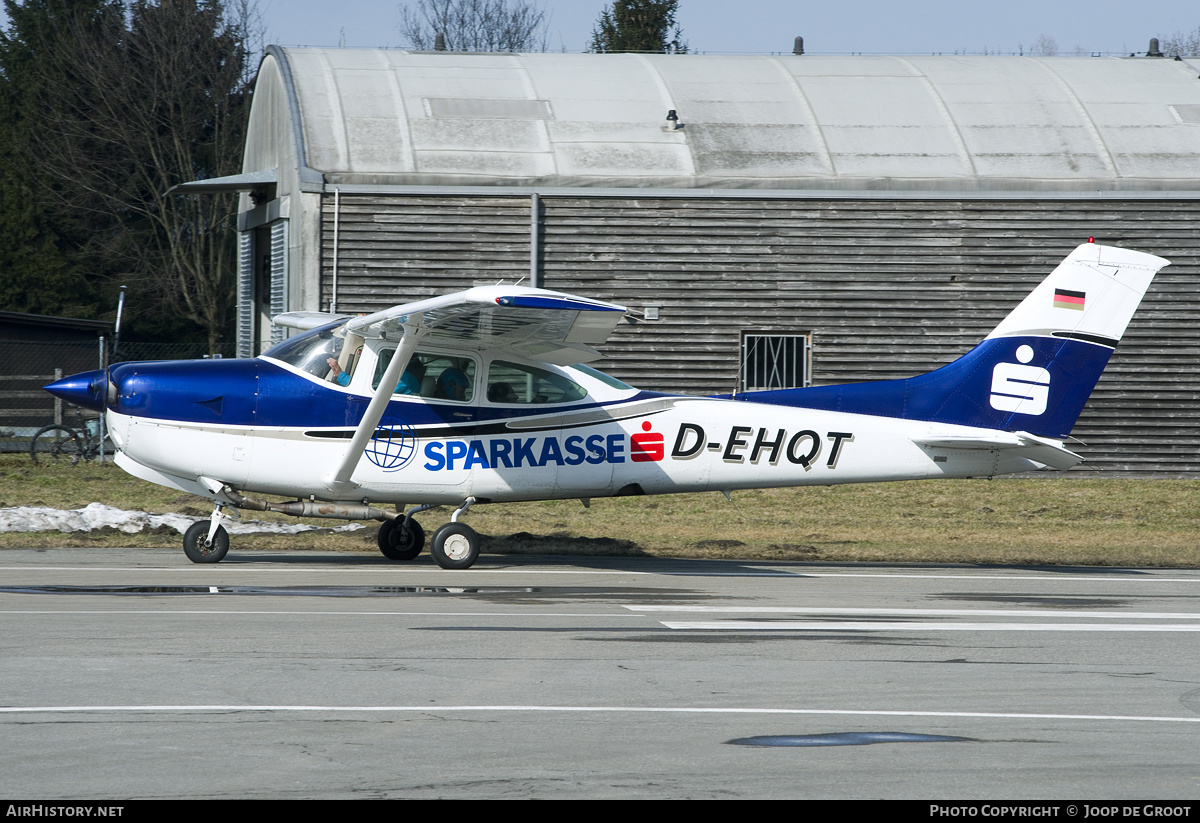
pixel 765 26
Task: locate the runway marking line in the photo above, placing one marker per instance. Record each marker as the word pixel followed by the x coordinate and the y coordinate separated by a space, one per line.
pixel 243 613
pixel 877 626
pixel 858 611
pixel 920 624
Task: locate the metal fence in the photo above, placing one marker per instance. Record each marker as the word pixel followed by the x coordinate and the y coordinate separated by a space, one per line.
pixel 27 366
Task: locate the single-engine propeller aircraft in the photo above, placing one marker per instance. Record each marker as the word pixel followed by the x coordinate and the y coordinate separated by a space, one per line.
pixel 482 396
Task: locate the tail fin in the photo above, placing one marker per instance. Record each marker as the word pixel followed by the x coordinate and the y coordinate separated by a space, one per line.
pixel 1036 369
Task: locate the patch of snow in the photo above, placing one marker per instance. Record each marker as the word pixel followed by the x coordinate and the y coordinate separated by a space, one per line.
pixel 97 516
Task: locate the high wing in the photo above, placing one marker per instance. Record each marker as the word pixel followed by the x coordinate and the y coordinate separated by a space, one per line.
pixel 306 320
pixel 548 326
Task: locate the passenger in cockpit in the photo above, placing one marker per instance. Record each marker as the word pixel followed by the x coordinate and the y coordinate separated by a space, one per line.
pixel 502 393
pixel 410 381
pixel 453 384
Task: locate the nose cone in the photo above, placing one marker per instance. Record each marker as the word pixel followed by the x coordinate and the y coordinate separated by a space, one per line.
pixel 88 389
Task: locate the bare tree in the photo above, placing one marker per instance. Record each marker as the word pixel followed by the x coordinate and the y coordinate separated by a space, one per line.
pixel 1181 44
pixel 1044 46
pixel 474 25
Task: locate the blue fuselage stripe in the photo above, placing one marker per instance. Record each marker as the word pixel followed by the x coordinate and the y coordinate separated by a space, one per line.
pixel 965 392
pixel 260 393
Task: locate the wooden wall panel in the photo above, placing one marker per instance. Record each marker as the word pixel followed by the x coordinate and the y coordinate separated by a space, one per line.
pixel 889 288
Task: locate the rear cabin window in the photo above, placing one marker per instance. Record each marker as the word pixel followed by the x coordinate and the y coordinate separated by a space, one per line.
pixel 517 383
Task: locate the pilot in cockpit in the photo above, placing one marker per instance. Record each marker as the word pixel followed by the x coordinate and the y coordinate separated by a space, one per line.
pixel 410 381
pixel 342 378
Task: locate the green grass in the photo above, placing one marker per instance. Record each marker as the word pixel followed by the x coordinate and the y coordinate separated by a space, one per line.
pixel 1059 519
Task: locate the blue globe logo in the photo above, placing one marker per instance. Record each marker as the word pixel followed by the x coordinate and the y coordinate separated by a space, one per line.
pixel 393 446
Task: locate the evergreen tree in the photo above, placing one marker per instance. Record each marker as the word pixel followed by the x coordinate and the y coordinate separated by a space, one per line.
pixel 119 101
pixel 638 26
pixel 41 271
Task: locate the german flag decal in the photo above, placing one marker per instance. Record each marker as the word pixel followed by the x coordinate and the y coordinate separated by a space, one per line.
pixel 1066 299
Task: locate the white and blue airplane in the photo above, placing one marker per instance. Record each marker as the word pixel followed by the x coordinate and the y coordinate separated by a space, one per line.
pixel 482 396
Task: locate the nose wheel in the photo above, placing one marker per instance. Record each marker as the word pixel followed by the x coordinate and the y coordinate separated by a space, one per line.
pixel 208 542
pixel 202 547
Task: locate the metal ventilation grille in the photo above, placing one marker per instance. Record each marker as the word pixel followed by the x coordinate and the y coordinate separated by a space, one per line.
pixel 245 298
pixel 775 361
pixel 279 278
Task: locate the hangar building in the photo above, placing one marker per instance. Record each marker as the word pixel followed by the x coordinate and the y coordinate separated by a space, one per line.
pixel 774 221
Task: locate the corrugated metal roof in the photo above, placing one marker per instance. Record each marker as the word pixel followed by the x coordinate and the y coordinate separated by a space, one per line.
pixel 924 123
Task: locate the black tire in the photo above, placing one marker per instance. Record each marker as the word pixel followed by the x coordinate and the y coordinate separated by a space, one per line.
pixel 56 443
pixel 197 552
pixel 455 546
pixel 398 542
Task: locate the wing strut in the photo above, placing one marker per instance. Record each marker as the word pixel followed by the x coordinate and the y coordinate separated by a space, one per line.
pixel 338 481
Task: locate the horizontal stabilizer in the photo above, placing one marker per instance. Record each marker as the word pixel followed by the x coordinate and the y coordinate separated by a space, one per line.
pixel 1038 449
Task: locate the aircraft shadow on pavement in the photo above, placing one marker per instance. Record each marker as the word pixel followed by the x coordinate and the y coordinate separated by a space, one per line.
pixel 560 555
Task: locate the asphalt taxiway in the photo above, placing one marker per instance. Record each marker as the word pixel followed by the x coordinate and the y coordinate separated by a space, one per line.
pixel 132 673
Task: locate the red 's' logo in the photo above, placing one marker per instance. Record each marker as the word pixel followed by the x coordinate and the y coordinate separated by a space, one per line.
pixel 648 447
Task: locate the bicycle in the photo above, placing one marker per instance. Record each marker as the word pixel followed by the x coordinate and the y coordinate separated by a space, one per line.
pixel 59 442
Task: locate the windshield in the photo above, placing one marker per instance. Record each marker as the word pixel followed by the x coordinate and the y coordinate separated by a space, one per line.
pixel 311 350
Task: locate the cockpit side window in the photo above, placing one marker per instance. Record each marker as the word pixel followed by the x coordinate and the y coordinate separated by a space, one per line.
pixel 517 383
pixel 431 375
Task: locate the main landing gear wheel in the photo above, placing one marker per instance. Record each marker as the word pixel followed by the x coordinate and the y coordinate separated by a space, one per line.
pixel 400 542
pixel 455 546
pixel 195 538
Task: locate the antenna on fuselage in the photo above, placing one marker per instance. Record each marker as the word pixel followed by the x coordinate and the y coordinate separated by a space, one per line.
pixel 743 356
